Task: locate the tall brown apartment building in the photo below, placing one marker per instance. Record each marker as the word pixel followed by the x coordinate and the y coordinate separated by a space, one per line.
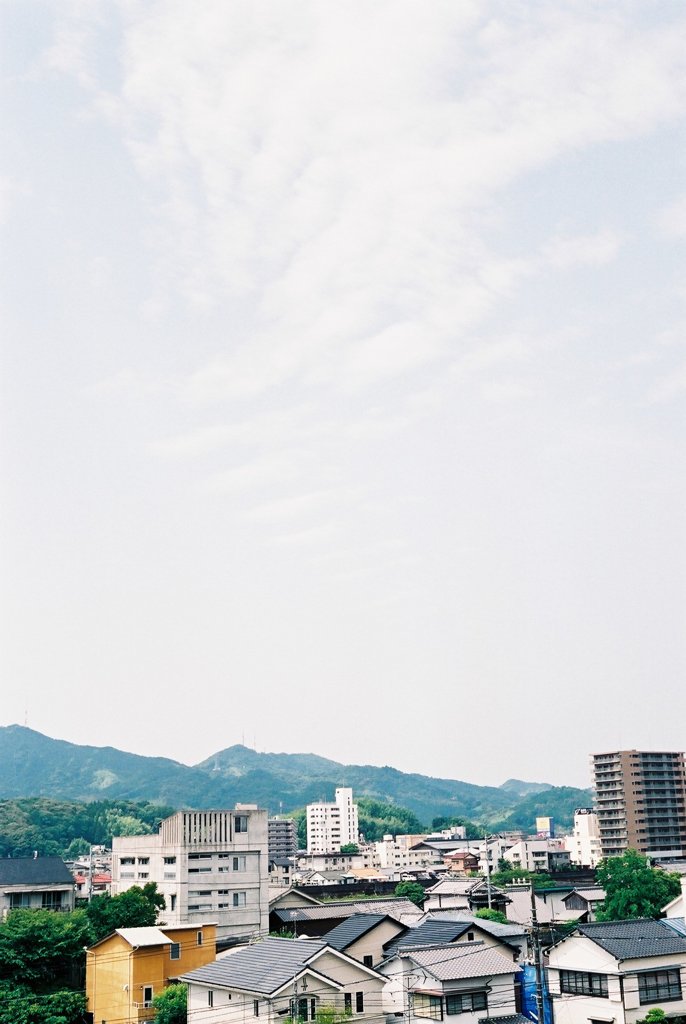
pixel 641 802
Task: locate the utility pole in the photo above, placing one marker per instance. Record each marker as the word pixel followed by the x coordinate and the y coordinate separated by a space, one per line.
pixel 538 967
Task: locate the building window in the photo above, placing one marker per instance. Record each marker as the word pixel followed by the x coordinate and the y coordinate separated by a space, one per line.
pixel 19 899
pixel 200 856
pixel 143 860
pixel 465 1002
pixel 51 901
pixel 173 901
pixel 175 951
pixel 239 863
pixel 147 996
pixel 348 1002
pixel 239 899
pixel 127 874
pixel 659 986
pixel 255 1007
pixel 583 983
pixel 210 998
pixel 359 1002
pixel 199 938
pixel 170 860
pixel 240 823
pixel 470 936
pixel 127 860
pixel 144 874
pixel 427 1006
pixel 368 960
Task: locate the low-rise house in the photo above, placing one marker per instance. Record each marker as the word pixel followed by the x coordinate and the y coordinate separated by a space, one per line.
pixel 35 883
pixel 677 906
pixel 512 935
pixel 95 884
pixel 364 936
pixel 126 970
pixel 539 855
pixel 316 919
pixel 283 978
pixel 461 862
pixel 615 971
pixel 468 979
pixel 441 932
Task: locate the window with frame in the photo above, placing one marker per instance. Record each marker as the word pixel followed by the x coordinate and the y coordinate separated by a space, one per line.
pixel 19 899
pixel 199 938
pixel 239 863
pixel 210 997
pixel 659 986
pixel 583 983
pixel 428 1006
pixel 368 960
pixel 239 899
pixel 240 823
pixel 465 1002
pixel 170 860
pixel 175 951
pixel 51 900
pixel 255 1007
pixel 359 1002
pixel 127 860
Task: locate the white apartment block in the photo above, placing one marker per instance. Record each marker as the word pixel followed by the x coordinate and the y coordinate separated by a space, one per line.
pixel 208 865
pixel 330 826
pixel 538 855
pixel 584 844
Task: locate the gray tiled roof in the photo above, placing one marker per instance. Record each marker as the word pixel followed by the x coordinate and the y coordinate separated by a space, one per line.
pixel 263 968
pixel 394 908
pixel 428 933
pixel 626 940
pixel 510 1018
pixel 38 871
pixel 495 928
pixel 353 928
pixel 464 960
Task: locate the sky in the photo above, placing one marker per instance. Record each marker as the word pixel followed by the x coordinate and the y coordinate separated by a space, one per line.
pixel 343 378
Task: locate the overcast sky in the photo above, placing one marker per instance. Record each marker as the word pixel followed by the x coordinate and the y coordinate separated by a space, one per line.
pixel 343 379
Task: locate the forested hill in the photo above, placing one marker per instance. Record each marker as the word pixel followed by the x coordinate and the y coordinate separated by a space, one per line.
pixel 33 765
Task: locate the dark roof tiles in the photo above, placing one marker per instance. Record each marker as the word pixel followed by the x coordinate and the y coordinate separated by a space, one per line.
pixel 627 940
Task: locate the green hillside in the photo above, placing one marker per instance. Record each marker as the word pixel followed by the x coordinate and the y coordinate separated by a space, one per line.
pixel 34 765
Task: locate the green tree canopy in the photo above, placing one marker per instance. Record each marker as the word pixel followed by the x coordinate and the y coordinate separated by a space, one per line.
pixel 412 890
pixel 19 1005
pixel 171 1005
pixel 472 831
pixel 41 950
pixel 350 848
pixel 633 888
pixel 134 908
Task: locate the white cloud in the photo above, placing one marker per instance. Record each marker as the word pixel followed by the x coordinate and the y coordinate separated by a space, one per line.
pixel 594 250
pixel 672 219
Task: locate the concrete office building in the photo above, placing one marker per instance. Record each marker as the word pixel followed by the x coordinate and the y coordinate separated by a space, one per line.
pixel 208 865
pixel 641 802
pixel 283 837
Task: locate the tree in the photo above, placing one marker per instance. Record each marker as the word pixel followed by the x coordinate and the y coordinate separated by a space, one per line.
pixel 634 889
pixel 171 1005
pixel 42 950
pixel 350 848
pixel 489 914
pixel 19 1005
pixel 472 831
pixel 412 890
pixel 134 908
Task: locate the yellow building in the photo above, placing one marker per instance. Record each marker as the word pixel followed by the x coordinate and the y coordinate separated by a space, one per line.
pixel 125 971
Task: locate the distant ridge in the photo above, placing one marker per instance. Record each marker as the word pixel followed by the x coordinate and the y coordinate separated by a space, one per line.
pixel 32 764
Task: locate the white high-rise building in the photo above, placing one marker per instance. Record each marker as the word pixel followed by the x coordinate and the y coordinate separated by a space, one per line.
pixel 330 826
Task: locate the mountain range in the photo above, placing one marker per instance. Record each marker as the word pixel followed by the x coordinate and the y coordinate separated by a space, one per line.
pixel 32 764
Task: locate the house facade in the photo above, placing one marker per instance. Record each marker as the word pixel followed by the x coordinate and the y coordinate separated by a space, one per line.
pixel 126 970
pixel 207 865
pixel 277 979
pixel 468 981
pixel 35 883
pixel 616 971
